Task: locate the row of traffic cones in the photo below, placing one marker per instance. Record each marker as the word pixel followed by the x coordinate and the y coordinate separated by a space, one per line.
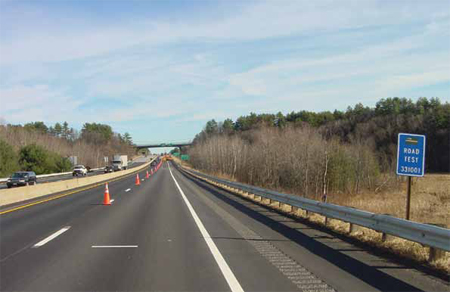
pixel 107 198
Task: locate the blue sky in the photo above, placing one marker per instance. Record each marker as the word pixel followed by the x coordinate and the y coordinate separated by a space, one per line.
pixel 161 69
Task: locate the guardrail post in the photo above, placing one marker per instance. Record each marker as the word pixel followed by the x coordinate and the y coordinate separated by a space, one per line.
pixel 386 237
pixel 353 228
pixel 294 210
pixel 436 253
pixel 288 207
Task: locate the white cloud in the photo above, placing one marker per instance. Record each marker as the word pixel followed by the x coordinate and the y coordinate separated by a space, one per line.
pixel 358 75
pixel 36 103
pixel 263 20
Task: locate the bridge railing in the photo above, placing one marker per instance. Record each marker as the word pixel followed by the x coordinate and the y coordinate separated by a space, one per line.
pixel 156 145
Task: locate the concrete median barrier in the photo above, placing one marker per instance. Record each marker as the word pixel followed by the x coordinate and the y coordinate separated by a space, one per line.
pixel 19 194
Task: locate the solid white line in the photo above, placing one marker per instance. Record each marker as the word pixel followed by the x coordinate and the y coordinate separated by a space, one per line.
pixel 51 237
pixel 127 190
pixel 226 271
pixel 114 246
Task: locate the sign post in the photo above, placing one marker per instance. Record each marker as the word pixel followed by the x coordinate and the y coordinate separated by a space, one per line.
pixel 410 160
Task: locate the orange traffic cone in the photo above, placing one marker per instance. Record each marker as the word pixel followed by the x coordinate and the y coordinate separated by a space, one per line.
pixel 106 199
pixel 138 181
pixel 147 176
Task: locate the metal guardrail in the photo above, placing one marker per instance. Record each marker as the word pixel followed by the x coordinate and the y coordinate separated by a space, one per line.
pixel 425 234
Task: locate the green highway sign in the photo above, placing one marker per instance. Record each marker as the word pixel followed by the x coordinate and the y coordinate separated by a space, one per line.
pixel 184 157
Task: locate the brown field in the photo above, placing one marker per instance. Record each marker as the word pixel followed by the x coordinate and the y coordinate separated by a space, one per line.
pixel 430 200
pixel 430 203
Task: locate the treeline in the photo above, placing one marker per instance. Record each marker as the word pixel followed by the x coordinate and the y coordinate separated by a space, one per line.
pixel 377 126
pixel 315 153
pixel 46 149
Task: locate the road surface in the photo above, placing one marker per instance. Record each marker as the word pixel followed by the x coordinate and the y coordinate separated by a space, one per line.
pixel 175 233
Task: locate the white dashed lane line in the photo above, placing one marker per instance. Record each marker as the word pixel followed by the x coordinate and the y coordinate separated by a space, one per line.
pixel 114 246
pixel 51 237
pixel 127 190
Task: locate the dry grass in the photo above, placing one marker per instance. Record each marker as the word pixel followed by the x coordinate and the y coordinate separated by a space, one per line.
pixel 399 246
pixel 430 202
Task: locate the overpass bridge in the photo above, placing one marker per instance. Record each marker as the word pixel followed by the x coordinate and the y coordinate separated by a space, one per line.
pixel 161 145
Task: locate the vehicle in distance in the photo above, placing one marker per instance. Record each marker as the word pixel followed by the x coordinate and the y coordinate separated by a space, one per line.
pixel 79 170
pixel 108 168
pixel 22 178
pixel 120 162
pixel 167 157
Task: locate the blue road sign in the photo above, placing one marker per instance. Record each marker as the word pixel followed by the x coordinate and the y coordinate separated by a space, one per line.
pixel 411 154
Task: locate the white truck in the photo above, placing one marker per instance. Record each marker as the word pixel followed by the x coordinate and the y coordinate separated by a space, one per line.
pixel 120 162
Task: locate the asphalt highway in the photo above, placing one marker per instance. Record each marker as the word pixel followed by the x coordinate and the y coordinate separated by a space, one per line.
pixel 176 233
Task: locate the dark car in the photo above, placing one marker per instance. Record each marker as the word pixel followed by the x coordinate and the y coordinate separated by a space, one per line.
pixel 22 178
pixel 109 168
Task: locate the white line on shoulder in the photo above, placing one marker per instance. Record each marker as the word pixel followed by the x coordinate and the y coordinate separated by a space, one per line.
pixel 235 286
